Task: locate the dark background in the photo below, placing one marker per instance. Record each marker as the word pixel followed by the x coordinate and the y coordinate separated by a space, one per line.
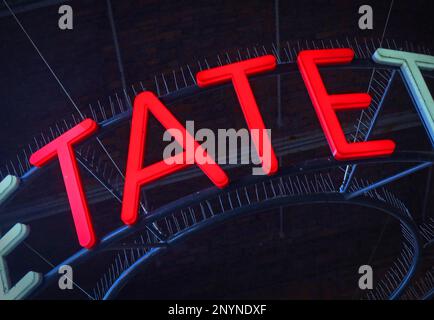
pixel 313 251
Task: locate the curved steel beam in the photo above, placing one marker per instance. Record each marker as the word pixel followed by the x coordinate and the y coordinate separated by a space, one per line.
pixel 108 125
pixel 307 166
pixel 429 295
pixel 131 271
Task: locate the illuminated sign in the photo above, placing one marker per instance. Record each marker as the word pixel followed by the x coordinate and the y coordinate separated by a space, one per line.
pixel 238 73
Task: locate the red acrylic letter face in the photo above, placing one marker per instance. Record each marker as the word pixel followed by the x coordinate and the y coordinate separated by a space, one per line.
pixel 237 73
pixel 326 105
pixel 136 176
pixel 62 148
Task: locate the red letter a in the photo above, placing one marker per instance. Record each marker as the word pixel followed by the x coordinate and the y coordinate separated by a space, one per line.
pixel 136 176
pixel 326 105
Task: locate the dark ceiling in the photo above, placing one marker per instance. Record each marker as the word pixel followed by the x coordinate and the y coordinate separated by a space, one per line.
pixel 308 251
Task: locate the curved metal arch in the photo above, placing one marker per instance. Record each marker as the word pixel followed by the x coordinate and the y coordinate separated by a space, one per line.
pixel 363 49
pixel 112 123
pixel 131 271
pixel 305 167
pixel 429 295
pixel 421 288
pixel 106 126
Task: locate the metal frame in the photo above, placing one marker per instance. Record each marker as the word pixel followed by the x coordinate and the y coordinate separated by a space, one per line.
pixel 161 239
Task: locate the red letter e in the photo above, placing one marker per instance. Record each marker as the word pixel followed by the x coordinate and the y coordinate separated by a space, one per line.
pixel 326 105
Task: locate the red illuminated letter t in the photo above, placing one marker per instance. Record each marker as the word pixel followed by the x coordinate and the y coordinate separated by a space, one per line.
pixel 62 148
pixel 237 73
